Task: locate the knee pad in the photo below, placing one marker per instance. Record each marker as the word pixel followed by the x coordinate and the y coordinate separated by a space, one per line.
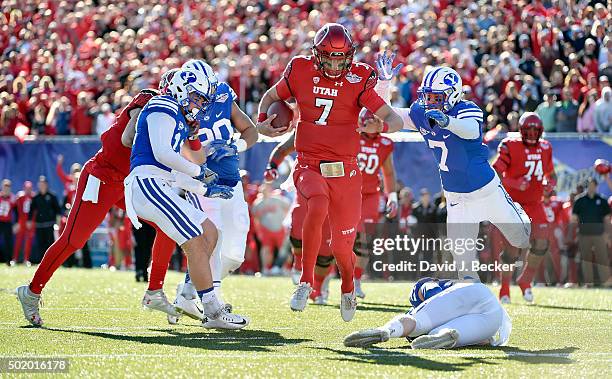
pixel 324 261
pixel 539 248
pixel 507 257
pixel 295 243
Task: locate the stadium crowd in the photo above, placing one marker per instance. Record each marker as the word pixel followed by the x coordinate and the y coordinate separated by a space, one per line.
pixel 68 65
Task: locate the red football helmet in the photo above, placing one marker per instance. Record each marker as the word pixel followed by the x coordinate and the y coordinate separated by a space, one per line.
pixel 333 50
pixel 531 128
pixel 602 166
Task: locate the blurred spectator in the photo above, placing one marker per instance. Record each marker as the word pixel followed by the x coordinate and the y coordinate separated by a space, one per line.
pixel 85 51
pixel 592 212
pixel 7 201
pixel 586 121
pixel 105 119
pixel 566 114
pixel 45 213
pixel 603 111
pixel 547 112
pixel 59 116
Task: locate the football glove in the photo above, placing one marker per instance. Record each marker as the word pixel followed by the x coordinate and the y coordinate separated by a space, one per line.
pixel 220 149
pixel 207 176
pixel 384 65
pixel 219 191
pixel 392 206
pixel 438 117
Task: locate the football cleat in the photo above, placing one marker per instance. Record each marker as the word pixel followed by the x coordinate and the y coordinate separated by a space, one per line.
pixel 444 339
pixel 505 299
pixel 30 303
pixel 365 338
pixel 189 307
pixel 157 300
pixel 358 291
pixel 528 295
pixel 299 300
pixel 348 306
pixel 216 316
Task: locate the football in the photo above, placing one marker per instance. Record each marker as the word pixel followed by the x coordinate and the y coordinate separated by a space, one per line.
pixel 602 166
pixel 283 112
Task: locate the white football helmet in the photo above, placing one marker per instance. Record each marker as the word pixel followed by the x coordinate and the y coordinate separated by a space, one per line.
pixel 164 82
pixel 194 91
pixel 441 88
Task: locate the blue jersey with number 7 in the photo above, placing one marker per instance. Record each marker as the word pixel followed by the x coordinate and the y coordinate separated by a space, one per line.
pixel 217 125
pixel 463 163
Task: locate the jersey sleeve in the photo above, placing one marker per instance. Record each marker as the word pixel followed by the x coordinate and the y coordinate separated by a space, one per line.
pixel 471 111
pixel 502 162
pixel 163 105
pixel 232 93
pixel 142 98
pixel 283 87
pixel 368 97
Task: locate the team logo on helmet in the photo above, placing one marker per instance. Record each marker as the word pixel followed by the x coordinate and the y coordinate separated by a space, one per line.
pixel 450 79
pixel 188 77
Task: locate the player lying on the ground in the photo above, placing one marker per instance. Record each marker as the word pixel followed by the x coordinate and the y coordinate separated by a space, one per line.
pixel 162 127
pixel 330 90
pixel 525 164
pixel 452 128
pixel 230 216
pixel 446 314
pixel 100 187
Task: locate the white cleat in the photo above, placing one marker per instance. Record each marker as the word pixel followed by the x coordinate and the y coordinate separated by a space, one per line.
pixel 320 300
pixel 444 339
pixel 189 307
pixel 157 300
pixel 299 300
pixel 348 306
pixel 505 299
pixel 295 276
pixel 30 303
pixel 358 291
pixel 221 318
pixel 365 338
pixel 528 295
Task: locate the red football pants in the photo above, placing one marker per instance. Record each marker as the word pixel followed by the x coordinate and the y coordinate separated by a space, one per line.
pixel 23 234
pixel 338 198
pixel 83 219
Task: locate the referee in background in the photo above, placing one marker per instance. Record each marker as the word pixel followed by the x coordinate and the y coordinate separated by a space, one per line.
pixel 592 212
pixel 45 212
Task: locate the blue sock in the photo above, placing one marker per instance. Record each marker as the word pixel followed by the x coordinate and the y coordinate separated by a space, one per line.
pixel 206 294
pixel 187 277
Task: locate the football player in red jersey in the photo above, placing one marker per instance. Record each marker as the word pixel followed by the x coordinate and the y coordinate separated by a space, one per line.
pixel 525 165
pixel 100 186
pixel 375 155
pixel 558 221
pixel 25 233
pixel 330 90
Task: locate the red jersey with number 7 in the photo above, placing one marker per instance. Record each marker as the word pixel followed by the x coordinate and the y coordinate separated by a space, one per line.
pixel 328 108
pixel 533 163
pixel 373 153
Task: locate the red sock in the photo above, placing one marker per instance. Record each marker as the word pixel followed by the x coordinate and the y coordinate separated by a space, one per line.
pixel 346 265
pixel 318 281
pixel 297 262
pixel 163 248
pixel 358 272
pixel 524 280
pixel 506 277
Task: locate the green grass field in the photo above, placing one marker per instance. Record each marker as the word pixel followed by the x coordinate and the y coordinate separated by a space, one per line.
pixel 95 319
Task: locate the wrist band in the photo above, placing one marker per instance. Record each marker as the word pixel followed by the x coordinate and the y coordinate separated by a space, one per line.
pixel 195 144
pixel 385 128
pixel 262 117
